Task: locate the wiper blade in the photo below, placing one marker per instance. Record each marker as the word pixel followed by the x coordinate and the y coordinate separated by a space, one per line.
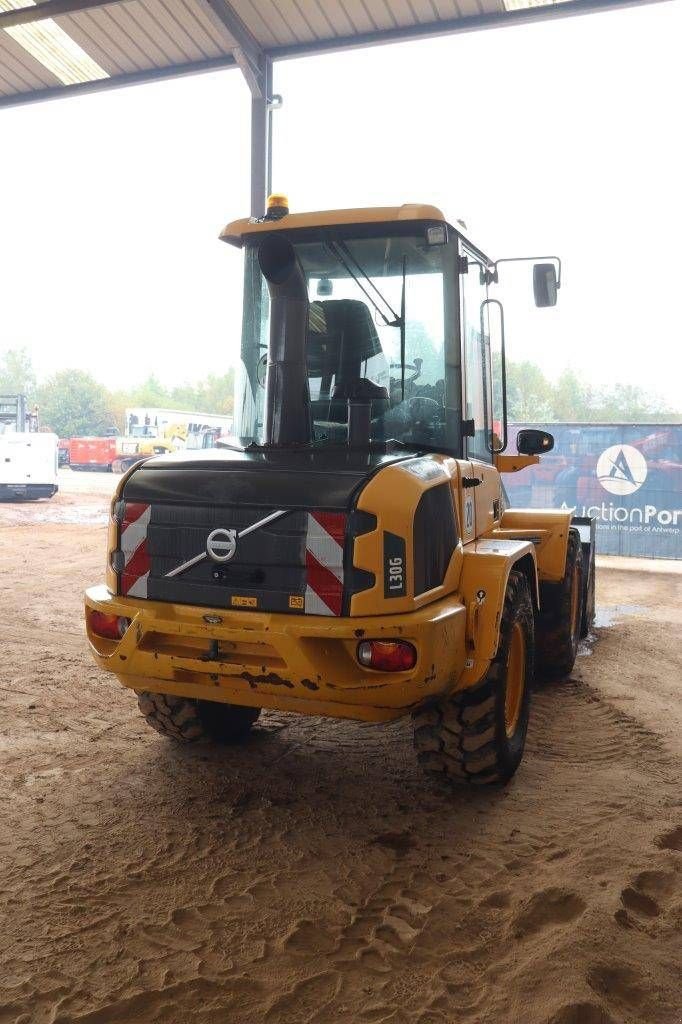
pixel 423 448
pixel 343 254
pixel 252 446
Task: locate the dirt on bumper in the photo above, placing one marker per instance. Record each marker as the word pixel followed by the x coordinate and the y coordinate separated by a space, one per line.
pixel 300 663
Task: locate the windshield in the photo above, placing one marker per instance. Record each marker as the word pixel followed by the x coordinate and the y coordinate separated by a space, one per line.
pixel 381 311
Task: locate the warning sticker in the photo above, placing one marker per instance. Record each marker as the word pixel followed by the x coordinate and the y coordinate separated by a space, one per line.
pixel 468 516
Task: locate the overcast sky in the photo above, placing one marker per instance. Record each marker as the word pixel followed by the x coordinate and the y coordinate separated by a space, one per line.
pixel 560 138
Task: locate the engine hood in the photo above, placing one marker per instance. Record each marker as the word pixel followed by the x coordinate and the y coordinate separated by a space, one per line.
pixel 272 479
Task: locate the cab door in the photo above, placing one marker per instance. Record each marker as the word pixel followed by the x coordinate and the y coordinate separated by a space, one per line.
pixel 477 397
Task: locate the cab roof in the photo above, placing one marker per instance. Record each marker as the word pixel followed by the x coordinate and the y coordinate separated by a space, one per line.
pixel 237 232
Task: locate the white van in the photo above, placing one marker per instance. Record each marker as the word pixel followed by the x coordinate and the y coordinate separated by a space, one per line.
pixel 28 464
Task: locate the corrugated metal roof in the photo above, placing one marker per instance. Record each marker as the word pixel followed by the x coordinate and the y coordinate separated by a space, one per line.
pixel 133 40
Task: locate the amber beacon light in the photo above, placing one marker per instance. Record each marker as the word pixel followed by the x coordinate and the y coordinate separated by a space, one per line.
pixel 277 206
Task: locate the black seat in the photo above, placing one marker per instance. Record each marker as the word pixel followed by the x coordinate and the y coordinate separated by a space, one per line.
pixel 341 337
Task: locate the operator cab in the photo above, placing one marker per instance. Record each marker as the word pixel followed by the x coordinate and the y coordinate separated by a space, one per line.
pixel 398 342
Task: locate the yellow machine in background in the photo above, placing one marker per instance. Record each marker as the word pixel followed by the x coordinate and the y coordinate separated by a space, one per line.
pixel 350 552
pixel 171 439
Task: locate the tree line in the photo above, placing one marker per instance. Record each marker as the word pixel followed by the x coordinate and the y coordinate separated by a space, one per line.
pixel 73 403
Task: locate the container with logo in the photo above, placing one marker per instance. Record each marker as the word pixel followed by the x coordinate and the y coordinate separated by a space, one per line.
pixel 627 476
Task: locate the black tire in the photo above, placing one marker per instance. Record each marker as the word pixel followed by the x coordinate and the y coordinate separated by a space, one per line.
pixel 560 619
pixel 187 721
pixel 589 606
pixel 466 737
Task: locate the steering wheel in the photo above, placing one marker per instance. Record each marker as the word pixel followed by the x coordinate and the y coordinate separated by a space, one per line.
pixel 416 414
pixel 415 369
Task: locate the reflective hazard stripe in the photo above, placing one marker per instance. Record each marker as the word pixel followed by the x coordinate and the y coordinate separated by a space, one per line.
pixel 136 561
pixel 324 563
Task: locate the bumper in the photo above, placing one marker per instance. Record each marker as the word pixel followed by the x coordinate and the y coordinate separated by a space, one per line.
pixel 305 664
pixel 32 491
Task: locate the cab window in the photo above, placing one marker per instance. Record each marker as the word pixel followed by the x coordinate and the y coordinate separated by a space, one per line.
pixel 476 357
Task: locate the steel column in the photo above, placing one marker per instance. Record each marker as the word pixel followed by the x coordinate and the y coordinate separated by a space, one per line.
pixel 256 67
pixel 261 140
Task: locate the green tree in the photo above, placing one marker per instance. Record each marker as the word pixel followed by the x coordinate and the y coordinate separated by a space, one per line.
pixel 151 392
pixel 625 403
pixel 17 375
pixel 216 393
pixel 529 393
pixel 572 399
pixel 74 404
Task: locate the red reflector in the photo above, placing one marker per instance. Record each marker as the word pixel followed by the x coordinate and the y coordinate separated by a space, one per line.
pixel 111 627
pixel 387 655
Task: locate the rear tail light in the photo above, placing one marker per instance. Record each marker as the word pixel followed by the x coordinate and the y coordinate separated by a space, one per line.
pixel 111 627
pixel 387 655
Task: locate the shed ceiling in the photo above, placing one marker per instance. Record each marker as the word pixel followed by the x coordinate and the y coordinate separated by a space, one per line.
pixel 60 47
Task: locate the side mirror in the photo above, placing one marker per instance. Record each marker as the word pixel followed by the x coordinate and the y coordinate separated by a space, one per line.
pixel 545 284
pixel 534 442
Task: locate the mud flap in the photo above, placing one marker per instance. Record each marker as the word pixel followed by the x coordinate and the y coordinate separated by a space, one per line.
pixel 586 527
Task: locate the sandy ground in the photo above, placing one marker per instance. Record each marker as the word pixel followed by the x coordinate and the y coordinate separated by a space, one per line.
pixel 86 483
pixel 313 875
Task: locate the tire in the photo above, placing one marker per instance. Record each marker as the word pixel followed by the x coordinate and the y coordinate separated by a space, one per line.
pixel 187 721
pixel 478 735
pixel 587 620
pixel 117 466
pixel 560 618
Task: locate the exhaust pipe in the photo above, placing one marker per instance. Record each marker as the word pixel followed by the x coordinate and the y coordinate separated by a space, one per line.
pixel 287 395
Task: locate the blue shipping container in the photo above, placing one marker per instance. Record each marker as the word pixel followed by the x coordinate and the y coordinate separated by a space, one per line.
pixel 627 476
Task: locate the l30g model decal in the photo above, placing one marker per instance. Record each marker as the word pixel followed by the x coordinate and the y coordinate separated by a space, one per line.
pixel 395 582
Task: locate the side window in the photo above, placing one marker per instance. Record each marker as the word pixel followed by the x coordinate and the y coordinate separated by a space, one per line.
pixel 476 357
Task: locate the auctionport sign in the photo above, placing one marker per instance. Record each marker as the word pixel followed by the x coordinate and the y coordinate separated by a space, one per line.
pixel 626 476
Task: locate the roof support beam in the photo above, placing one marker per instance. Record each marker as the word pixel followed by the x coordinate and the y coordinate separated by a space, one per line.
pixel 49 9
pixel 261 141
pixel 247 52
pixel 256 67
pixel 455 26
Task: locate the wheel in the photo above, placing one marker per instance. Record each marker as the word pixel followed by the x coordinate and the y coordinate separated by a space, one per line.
pixel 186 721
pixel 478 735
pixel 117 466
pixel 587 620
pixel 560 618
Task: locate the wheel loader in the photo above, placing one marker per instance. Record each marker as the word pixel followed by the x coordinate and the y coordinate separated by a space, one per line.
pixel 350 551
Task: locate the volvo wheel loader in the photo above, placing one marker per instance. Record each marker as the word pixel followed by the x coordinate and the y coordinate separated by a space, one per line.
pixel 350 552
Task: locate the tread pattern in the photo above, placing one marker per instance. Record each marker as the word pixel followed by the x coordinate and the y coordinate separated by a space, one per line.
pixel 557 647
pixel 188 721
pixel 587 620
pixel 462 737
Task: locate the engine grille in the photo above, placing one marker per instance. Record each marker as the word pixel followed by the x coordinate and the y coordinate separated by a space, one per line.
pixel 293 563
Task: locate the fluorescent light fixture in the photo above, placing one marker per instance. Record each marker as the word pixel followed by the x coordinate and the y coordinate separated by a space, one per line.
pixel 52 47
pixel 523 5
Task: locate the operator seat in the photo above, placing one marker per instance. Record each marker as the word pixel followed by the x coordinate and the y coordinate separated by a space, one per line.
pixel 341 337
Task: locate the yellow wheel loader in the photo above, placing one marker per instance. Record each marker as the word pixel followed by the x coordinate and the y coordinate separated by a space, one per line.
pixel 350 552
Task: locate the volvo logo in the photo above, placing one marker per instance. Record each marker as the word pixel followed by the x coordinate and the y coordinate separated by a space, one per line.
pixel 221 545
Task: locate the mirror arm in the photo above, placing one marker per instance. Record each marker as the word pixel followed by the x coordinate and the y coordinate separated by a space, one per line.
pixel 503 365
pixel 493 274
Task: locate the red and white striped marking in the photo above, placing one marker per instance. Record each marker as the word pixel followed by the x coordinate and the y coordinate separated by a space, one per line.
pixel 136 561
pixel 324 563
